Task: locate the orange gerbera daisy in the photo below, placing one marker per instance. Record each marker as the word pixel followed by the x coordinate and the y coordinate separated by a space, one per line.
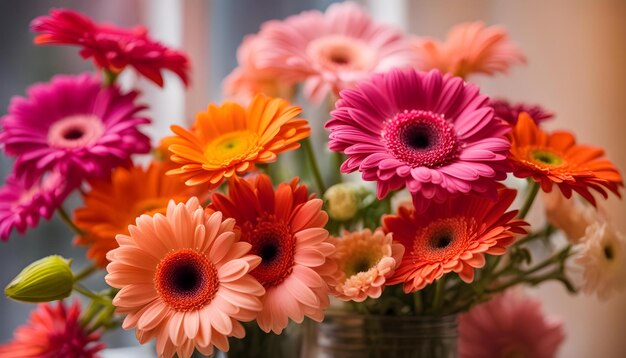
pixel 286 229
pixel 555 158
pixel 451 236
pixel 230 139
pixel 113 204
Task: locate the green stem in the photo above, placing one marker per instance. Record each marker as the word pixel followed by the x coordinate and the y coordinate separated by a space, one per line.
pixel 543 233
pixel 338 156
pixel 68 221
pixel 109 77
pixel 417 302
pixel 90 294
pixel 85 272
pixel 532 194
pixel 317 175
pixel 439 290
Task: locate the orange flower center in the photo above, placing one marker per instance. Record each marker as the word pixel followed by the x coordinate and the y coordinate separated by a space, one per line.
pixel 443 239
pixel 232 147
pixel 272 241
pixel 151 206
pixel 186 280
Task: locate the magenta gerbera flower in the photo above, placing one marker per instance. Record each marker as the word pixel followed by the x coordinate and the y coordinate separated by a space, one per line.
pixel 75 125
pixel 333 50
pixel 510 111
pixel 23 203
pixel 433 133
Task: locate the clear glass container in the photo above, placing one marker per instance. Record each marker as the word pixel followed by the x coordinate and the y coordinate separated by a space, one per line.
pixel 351 335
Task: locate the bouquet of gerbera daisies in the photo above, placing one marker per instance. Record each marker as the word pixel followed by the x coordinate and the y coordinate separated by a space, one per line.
pixel 219 242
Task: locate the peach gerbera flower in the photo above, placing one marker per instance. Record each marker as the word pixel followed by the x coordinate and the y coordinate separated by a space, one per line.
pixel 469 48
pixel 113 204
pixel 229 140
pixel 452 236
pixel 286 228
pixel 365 260
pixel 556 159
pixel 249 78
pixel 183 279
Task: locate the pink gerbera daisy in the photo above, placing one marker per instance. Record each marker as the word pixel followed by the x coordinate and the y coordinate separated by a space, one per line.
pixel 452 236
pixel 74 125
pixel 286 228
pixel 333 50
pixel 469 48
pixel 510 111
pixel 23 203
pixel 111 48
pixel 510 325
pixel 53 332
pixel 365 260
pixel 183 278
pixel 433 133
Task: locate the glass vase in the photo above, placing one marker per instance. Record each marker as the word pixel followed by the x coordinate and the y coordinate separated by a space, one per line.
pixel 351 335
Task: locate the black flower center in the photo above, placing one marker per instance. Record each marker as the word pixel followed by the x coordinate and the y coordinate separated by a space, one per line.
pixel 441 240
pixel 269 251
pixel 185 278
pixel 609 253
pixel 73 133
pixel 418 136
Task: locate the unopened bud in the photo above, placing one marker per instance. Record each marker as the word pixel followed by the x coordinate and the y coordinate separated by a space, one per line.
pixel 342 201
pixel 48 279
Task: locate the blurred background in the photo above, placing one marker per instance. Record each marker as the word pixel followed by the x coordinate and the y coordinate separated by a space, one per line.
pixel 576 68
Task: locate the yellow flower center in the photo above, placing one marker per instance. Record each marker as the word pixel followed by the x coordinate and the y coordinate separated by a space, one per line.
pixel 360 259
pixel 546 157
pixel 232 147
pixel 151 206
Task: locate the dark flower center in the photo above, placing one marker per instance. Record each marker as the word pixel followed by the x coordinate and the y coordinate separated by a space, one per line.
pixel 73 133
pixel 272 241
pixel 186 280
pixel 420 138
pixel 609 253
pixel 441 240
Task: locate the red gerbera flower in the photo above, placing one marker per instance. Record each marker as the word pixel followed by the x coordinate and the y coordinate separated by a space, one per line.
pixel 452 236
pixel 111 48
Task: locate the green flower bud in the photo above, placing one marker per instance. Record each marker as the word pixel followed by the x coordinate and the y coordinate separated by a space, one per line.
pixel 47 279
pixel 342 201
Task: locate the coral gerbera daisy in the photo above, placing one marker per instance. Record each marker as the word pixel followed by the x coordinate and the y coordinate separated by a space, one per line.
pixel 74 125
pixel 229 139
pixel 510 325
pixel 451 236
pixel 23 203
pixel 248 78
pixel 333 50
pixel 364 260
pixel 111 48
pixel 286 229
pixel 510 111
pixel 433 133
pixel 603 260
pixel 183 278
pixel 53 332
pixel 113 204
pixel 469 48
pixel 555 158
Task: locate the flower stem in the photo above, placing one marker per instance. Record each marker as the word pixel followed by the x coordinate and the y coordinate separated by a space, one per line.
pixel 85 272
pixel 109 77
pixel 317 175
pixel 90 294
pixel 439 288
pixel 532 194
pixel 68 221
pixel 417 302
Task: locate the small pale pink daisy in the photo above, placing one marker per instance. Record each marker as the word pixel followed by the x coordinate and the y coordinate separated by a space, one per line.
pixel 285 227
pixel 53 332
pixel 430 132
pixel 184 280
pixel 23 202
pixel 510 325
pixel 364 260
pixel 74 125
pixel 333 50
pixel 469 48
pixel 603 260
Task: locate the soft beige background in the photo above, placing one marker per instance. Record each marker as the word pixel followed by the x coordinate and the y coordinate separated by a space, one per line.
pixel 577 68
